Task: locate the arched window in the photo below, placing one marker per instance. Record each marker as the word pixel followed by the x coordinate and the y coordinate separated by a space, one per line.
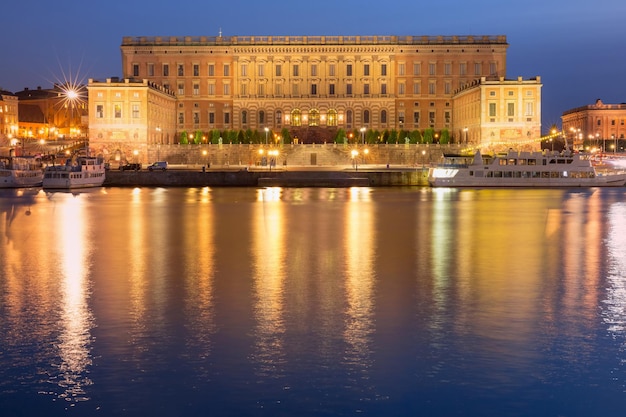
pixel 314 117
pixel 383 116
pixel 366 116
pixel 261 117
pixel 332 117
pixel 244 117
pixel 296 117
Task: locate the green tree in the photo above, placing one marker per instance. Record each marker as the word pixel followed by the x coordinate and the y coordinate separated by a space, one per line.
pixel 215 136
pixel 197 137
pixel 184 139
pixel 429 135
pixel 444 138
pixel 340 137
pixel 416 136
pixel 285 135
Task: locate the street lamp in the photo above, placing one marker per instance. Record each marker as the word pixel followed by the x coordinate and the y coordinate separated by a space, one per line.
pixel 273 157
pixel 354 154
pixel 465 131
pixel 423 159
pixel 362 130
pixel 267 130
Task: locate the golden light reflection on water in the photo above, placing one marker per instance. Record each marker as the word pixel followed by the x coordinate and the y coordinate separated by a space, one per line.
pixel 360 249
pixel 74 344
pixel 199 272
pixel 269 254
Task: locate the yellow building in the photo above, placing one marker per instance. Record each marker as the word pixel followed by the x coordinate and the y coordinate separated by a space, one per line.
pixel 496 113
pixel 596 126
pixel 8 117
pixel 127 116
pixel 314 85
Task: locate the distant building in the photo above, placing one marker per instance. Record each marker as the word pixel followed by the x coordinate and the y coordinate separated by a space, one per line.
pixel 61 114
pixel 126 116
pixel 8 117
pixel 499 113
pixel 600 126
pixel 315 85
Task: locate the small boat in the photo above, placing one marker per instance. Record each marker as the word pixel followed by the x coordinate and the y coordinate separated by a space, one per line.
pixel 20 171
pixel 83 172
pixel 522 169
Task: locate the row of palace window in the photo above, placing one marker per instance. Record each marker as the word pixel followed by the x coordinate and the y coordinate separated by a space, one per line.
pixel 314 118
pixel 295 117
pixel 314 69
pixel 296 89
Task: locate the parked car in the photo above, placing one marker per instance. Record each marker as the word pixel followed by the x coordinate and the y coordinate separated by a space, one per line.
pixel 130 167
pixel 159 165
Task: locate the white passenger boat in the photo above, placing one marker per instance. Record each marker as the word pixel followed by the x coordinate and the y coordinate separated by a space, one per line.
pixel 522 169
pixel 20 171
pixel 83 172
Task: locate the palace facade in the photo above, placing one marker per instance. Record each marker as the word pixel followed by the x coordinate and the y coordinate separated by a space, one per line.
pixel 600 126
pixel 314 85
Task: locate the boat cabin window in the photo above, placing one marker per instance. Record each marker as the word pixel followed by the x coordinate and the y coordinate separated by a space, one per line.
pixel 532 162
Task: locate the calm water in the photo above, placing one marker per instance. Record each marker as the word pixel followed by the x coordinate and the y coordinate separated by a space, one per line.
pixel 313 302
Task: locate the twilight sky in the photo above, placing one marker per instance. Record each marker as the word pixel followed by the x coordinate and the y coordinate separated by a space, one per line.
pixel 578 47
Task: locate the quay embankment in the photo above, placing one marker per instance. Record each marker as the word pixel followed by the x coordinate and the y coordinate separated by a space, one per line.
pixel 247 177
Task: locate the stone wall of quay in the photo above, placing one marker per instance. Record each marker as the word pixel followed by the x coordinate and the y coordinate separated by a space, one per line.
pixel 264 178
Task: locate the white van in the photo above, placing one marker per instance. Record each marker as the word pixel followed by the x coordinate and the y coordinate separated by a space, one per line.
pixel 159 165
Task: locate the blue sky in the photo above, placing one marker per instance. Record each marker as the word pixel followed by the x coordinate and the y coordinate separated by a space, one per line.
pixel 578 47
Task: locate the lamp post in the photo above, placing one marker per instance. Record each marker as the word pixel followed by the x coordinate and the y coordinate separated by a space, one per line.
pixel 362 130
pixel 355 163
pixel 267 130
pixel 273 157
pixel 465 132
pixel 423 159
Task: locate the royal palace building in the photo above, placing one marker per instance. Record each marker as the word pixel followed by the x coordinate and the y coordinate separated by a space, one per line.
pixel 315 85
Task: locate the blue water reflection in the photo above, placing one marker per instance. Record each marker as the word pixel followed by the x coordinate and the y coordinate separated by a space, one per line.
pixel 313 302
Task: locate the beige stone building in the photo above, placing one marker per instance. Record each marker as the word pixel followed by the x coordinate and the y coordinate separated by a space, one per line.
pixel 8 117
pixel 498 113
pixel 127 116
pixel 314 85
pixel 597 126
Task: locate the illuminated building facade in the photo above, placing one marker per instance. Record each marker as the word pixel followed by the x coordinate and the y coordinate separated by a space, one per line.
pixel 8 117
pixel 499 112
pixel 56 113
pixel 314 85
pixel 600 126
pixel 127 115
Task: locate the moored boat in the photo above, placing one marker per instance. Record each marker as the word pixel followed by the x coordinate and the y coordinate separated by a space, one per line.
pixel 522 169
pixel 20 171
pixel 83 172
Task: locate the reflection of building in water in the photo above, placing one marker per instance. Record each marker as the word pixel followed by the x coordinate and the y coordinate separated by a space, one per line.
pixel 360 251
pixel 74 342
pixel 270 253
pixel 200 271
pixel 615 304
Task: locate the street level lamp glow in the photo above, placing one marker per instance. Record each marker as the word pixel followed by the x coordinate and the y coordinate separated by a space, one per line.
pixel 267 130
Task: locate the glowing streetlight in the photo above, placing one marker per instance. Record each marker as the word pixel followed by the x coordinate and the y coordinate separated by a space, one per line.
pixel 354 154
pixel 362 130
pixel 267 130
